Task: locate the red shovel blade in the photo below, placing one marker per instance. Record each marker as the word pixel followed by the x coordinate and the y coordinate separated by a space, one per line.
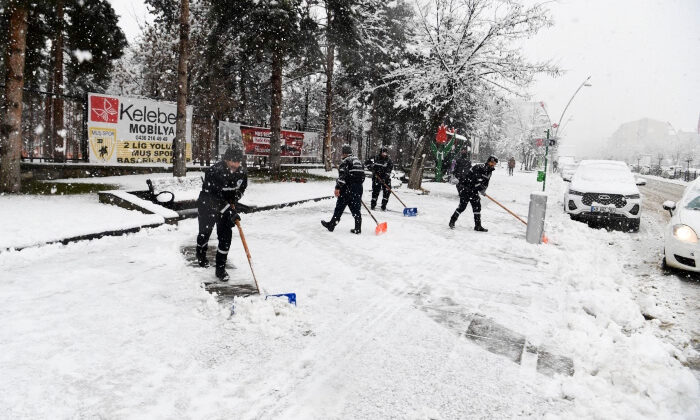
pixel 381 228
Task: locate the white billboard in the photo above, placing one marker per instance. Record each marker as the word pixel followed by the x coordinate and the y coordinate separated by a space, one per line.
pixel 132 130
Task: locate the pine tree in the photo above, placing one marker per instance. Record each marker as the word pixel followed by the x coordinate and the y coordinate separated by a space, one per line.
pixel 11 126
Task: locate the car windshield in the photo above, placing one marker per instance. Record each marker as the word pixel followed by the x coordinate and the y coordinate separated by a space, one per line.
pixel 603 173
pixel 694 204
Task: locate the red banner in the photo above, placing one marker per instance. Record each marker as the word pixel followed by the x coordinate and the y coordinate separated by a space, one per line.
pixel 256 141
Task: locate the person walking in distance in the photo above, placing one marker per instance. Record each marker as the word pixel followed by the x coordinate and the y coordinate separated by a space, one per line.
pixel 224 184
pixel 511 166
pixel 381 167
pixel 348 189
pixel 475 182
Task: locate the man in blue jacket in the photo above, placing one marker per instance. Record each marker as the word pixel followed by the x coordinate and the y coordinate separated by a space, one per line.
pixel 469 187
pixel 348 189
pixel 224 184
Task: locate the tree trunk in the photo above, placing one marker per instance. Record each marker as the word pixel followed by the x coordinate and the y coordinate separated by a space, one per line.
pixel 276 115
pixel 360 138
pixel 180 142
pixel 376 141
pixel 59 135
pixel 327 123
pixel 416 177
pixel 11 128
pixel 305 120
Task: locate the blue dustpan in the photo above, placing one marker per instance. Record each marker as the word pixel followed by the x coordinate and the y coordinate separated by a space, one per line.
pixel 410 211
pixel 291 297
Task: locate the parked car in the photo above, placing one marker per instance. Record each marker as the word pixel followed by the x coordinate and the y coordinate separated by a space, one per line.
pixel 604 191
pixel 568 170
pixel 681 245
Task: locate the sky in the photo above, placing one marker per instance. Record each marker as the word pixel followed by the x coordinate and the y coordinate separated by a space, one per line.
pixel 642 55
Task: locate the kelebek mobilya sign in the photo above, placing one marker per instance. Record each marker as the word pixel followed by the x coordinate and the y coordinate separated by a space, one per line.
pixel 132 130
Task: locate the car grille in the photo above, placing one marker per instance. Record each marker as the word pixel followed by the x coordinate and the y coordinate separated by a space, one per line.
pixel 617 199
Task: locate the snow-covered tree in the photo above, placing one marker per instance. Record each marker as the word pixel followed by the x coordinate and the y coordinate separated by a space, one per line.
pixel 461 52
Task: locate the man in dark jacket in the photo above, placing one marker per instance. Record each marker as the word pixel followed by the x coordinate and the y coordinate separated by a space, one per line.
pixel 381 167
pixel 475 183
pixel 462 165
pixel 224 184
pixel 348 189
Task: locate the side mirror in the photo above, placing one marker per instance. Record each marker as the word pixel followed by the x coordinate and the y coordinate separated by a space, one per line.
pixel 641 181
pixel 670 206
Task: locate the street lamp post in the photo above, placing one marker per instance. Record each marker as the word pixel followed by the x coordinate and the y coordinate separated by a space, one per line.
pixel 557 125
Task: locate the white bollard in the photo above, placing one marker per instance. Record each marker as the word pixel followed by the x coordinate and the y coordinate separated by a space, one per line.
pixel 535 217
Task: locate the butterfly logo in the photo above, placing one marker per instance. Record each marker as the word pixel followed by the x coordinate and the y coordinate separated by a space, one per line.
pixel 103 109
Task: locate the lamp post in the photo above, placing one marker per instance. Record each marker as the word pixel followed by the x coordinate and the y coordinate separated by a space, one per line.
pixel 557 125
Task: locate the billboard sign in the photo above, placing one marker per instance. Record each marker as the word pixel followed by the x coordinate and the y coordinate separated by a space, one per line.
pixel 133 130
pixel 255 141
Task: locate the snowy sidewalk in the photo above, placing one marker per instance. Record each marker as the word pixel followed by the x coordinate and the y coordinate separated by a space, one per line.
pixel 35 220
pixel 121 327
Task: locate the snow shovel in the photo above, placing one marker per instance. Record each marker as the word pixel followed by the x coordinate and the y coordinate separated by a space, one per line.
pixel 545 239
pixel 407 211
pixel 381 227
pixel 291 297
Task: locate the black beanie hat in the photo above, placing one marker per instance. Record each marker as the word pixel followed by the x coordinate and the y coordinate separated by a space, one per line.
pixel 233 154
pixel 347 150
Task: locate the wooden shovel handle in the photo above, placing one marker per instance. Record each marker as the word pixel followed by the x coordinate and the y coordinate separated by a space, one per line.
pixel 504 208
pixel 390 190
pixel 370 213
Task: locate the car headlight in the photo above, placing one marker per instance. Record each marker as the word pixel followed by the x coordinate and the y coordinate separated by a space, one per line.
pixel 632 196
pixel 685 233
pixel 574 192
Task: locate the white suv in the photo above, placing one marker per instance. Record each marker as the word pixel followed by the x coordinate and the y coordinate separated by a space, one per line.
pixel 604 190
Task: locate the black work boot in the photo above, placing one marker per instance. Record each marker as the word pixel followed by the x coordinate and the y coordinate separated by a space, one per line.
pixel 384 204
pixel 373 204
pixel 453 220
pixel 358 227
pixel 477 224
pixel 221 273
pixel 202 256
pixel 329 225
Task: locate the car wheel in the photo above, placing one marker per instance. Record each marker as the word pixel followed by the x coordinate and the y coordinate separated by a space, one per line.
pixel 634 225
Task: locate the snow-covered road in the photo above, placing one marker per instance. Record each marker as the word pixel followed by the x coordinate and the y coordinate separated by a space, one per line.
pixel 120 327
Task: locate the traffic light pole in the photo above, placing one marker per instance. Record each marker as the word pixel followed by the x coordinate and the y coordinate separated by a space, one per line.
pixel 546 152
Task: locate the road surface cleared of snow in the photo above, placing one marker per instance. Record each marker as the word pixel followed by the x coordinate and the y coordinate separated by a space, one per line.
pixel 120 327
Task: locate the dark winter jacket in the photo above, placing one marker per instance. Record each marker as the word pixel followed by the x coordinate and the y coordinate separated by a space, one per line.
pixel 462 166
pixel 478 178
pixel 350 171
pixel 380 166
pixel 223 185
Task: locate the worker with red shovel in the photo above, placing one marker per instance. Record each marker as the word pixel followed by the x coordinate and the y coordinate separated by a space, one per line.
pixel 348 189
pixel 469 187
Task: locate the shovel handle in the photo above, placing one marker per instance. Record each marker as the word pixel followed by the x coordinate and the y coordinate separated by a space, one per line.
pixel 390 190
pixel 504 208
pixel 370 213
pixel 247 253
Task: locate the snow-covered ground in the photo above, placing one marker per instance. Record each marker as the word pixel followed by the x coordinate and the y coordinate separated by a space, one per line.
pixel 27 220
pixel 121 328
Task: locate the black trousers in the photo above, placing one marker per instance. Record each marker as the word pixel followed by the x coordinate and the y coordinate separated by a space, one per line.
pixel 383 186
pixel 210 215
pixel 468 196
pixel 350 196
